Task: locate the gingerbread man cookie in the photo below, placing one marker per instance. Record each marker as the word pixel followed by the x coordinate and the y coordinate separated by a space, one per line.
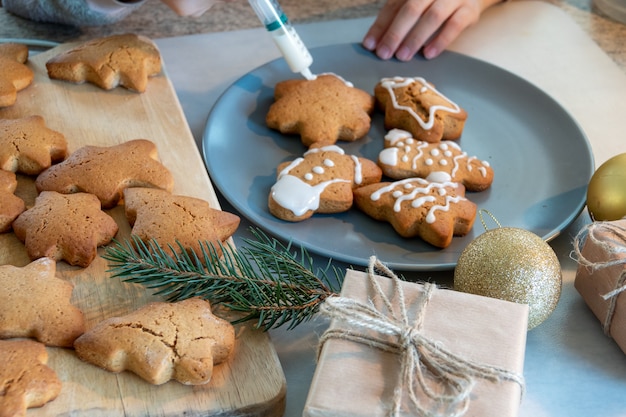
pixel 67 227
pixel 35 303
pixel 107 171
pixel 445 161
pixel 14 74
pixel 323 110
pixel 415 207
pixel 185 340
pixel 28 146
pixel 126 60
pixel 415 105
pixel 321 181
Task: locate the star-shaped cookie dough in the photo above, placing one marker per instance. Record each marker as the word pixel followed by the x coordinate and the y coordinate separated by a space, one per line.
pixel 415 207
pixel 11 206
pixel 35 303
pixel 167 218
pixel 321 181
pixel 28 146
pixel 14 75
pixel 127 60
pixel 67 227
pixel 184 340
pixel 107 171
pixel 25 379
pixel 322 111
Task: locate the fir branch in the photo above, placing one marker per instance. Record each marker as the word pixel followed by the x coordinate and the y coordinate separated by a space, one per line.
pixel 264 280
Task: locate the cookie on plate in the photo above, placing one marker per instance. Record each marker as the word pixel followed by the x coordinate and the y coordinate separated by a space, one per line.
pixel 415 105
pixel 67 227
pixel 323 110
pixel 106 171
pixel 126 60
pixel 160 342
pixel 321 181
pixel 445 161
pixel 14 74
pixel 168 219
pixel 11 205
pixel 28 146
pixel 25 379
pixel 35 303
pixel 415 207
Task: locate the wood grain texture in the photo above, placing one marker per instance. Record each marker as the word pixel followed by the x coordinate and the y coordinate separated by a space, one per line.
pixel 251 382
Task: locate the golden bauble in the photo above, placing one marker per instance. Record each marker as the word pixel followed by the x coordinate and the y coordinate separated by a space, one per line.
pixel 515 265
pixel 606 193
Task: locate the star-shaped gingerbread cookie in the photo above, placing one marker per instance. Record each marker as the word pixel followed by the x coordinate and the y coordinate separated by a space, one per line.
pixel 415 207
pixel 167 218
pixel 28 146
pixel 25 379
pixel 126 60
pixel 321 181
pixel 107 171
pixel 184 341
pixel 14 74
pixel 323 110
pixel 67 227
pixel 35 303
pixel 11 205
pixel 445 161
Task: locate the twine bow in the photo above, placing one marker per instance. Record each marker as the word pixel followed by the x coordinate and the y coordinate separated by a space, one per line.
pixel 421 358
pixel 613 242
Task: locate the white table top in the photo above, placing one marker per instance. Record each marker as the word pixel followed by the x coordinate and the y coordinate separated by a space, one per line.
pixel 571 368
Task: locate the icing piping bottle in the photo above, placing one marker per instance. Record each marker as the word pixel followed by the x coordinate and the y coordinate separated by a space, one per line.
pixel 284 35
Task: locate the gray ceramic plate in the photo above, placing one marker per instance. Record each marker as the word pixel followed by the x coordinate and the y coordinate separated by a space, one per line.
pixel 541 158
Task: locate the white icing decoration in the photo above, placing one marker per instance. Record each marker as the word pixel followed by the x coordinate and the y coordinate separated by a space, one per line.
pixel 358 170
pixel 329 162
pixel 346 82
pixel 318 170
pixel 308 176
pixel 439 176
pixel 297 196
pixel 389 156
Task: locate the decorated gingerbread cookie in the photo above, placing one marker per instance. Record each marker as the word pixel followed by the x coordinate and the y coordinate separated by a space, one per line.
pixel 321 181
pixel 321 111
pixel 126 60
pixel 14 74
pixel 174 219
pixel 28 146
pixel 415 207
pixel 445 161
pixel 415 105
pixel 185 341
pixel 107 171
pixel 67 227
pixel 35 303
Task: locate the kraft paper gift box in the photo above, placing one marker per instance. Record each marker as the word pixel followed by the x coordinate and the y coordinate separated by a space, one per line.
pixel 601 275
pixel 358 378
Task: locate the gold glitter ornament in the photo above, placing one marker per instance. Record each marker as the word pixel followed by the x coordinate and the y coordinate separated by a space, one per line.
pixel 606 193
pixel 515 265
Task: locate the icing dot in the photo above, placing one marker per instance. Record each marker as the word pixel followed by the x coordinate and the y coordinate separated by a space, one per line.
pixel 434 152
pixel 410 141
pixel 397 194
pixel 329 162
pixel 428 161
pixel 318 170
pixel 405 158
pixel 443 162
pixel 448 154
pixel 308 176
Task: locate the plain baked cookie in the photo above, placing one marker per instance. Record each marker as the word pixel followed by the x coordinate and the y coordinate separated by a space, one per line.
pixel 14 74
pixel 126 60
pixel 415 207
pixel 11 205
pixel 106 171
pixel 323 110
pixel 321 181
pixel 35 303
pixel 67 227
pixel 28 146
pixel 168 219
pixel 25 379
pixel 445 161
pixel 160 342
pixel 415 105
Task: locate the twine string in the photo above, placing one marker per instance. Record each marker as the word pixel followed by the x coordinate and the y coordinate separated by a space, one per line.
pixel 611 238
pixel 423 361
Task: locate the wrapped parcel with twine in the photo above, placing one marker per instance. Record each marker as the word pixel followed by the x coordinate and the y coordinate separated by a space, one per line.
pixel 396 348
pixel 600 250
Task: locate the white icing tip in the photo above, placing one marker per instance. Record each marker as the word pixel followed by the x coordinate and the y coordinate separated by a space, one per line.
pixel 306 73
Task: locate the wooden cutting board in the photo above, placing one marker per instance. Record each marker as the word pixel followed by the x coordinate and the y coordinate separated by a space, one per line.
pixel 252 382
